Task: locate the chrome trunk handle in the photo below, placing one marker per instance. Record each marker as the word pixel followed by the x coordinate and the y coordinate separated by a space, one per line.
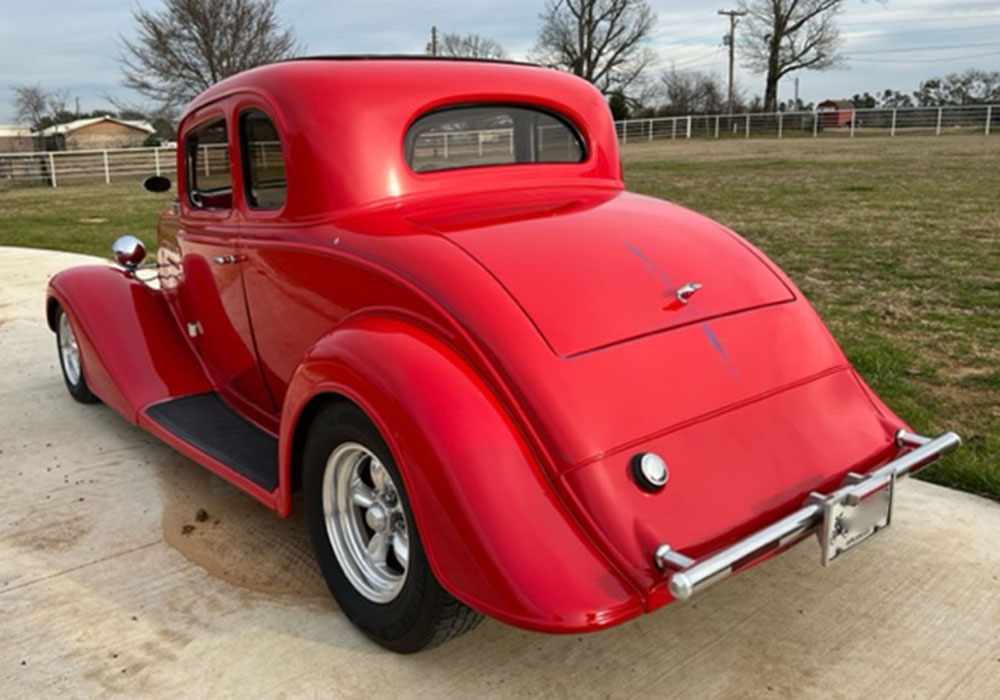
pixel 685 293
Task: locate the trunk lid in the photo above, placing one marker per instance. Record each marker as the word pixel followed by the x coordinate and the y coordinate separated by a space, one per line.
pixel 594 272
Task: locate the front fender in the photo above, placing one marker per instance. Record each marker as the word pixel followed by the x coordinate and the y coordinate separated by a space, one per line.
pixel 496 535
pixel 131 348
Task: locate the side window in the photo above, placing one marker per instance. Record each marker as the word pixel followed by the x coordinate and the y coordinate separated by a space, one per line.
pixel 263 162
pixel 208 178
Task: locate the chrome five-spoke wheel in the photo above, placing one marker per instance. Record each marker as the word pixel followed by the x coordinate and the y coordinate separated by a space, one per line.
pixel 69 351
pixel 69 358
pixel 367 545
pixel 366 522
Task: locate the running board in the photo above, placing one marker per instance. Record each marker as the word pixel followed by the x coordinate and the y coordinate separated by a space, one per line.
pixel 207 423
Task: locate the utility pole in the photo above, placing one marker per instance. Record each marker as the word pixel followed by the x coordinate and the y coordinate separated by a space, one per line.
pixel 731 40
pixel 434 41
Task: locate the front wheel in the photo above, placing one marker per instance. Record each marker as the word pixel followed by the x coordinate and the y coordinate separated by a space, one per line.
pixel 69 360
pixel 366 540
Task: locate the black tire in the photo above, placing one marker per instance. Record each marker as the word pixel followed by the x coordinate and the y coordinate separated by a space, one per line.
pixel 422 614
pixel 77 389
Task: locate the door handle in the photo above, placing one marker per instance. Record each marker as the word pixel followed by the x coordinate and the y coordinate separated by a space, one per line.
pixel 229 259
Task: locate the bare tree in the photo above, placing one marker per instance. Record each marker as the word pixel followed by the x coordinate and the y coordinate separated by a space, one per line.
pixel 30 104
pixel 192 44
pixel 37 107
pixel 692 92
pixel 603 41
pixel 783 36
pixel 468 46
pixel 973 87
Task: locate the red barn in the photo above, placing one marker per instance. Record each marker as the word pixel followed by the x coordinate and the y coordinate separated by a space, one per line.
pixel 835 113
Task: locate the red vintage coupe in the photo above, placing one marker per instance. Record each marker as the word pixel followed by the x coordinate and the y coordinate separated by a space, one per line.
pixel 417 291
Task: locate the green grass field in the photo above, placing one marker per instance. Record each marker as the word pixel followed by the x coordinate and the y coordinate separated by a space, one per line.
pixel 896 242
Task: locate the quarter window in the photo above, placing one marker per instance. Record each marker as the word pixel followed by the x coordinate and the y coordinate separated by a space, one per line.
pixel 208 175
pixel 463 137
pixel 264 164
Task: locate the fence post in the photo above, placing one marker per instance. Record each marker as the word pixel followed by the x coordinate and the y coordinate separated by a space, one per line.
pixel 445 135
pixel 650 130
pixel 156 159
pixel 52 169
pixel 204 150
pixel 989 118
pixel 892 131
pixel 815 124
pixel 673 127
pixel 690 124
pixel 748 126
pixel 940 114
pixel 854 121
pixel 107 170
pixel 625 132
pixel 716 126
pixel 781 124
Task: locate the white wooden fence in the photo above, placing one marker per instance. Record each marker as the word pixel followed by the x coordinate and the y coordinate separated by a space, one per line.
pixel 850 122
pixel 58 168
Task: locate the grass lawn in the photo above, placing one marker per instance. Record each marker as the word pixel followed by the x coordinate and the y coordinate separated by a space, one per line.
pixel 78 218
pixel 896 241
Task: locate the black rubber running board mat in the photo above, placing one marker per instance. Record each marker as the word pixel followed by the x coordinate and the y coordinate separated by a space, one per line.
pixel 208 423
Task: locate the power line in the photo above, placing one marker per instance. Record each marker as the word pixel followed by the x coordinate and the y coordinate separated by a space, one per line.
pixel 868 22
pixel 926 60
pixel 936 30
pixel 713 54
pixel 926 48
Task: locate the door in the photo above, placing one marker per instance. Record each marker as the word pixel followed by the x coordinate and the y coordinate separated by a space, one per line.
pixel 210 294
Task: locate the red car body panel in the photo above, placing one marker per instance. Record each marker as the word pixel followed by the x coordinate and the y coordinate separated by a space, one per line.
pixel 513 331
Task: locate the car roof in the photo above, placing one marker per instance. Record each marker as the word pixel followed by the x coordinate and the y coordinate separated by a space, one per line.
pixel 407 57
pixel 344 121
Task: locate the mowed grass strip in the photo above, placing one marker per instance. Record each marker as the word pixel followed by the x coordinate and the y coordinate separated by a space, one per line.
pixel 896 242
pixel 78 218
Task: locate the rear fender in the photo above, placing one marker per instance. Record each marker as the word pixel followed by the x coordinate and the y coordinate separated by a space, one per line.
pixel 496 535
pixel 131 349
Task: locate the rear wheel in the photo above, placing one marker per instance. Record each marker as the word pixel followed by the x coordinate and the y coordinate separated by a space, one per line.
pixel 366 540
pixel 69 360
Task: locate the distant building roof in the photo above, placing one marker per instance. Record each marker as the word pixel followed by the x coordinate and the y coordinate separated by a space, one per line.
pixel 14 130
pixel 835 104
pixel 72 126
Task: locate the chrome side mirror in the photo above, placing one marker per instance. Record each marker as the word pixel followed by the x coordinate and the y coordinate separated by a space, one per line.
pixel 128 252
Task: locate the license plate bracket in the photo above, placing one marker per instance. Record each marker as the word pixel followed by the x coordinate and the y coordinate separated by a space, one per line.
pixel 854 517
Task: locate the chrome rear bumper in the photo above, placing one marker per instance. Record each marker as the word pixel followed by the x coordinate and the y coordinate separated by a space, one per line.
pixel 690 575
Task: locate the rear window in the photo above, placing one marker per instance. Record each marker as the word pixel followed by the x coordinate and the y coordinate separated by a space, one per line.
pixel 465 137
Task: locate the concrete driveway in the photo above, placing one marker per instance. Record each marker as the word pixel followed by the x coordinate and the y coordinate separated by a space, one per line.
pixel 110 584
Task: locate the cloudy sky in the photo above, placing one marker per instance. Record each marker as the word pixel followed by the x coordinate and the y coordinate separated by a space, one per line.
pixel 73 45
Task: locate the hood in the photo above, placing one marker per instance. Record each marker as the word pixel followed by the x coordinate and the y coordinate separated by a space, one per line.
pixel 592 272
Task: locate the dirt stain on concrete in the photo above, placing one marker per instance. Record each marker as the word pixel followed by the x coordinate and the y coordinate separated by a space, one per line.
pixel 233 537
pixel 38 532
